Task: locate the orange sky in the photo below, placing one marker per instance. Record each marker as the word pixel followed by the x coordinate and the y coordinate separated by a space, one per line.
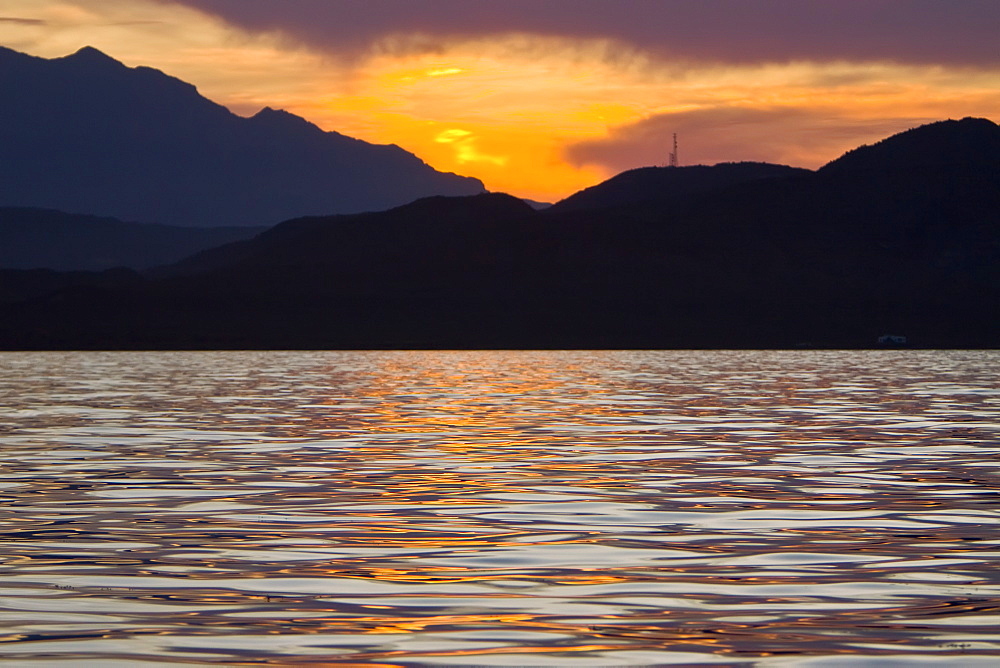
pixel 538 116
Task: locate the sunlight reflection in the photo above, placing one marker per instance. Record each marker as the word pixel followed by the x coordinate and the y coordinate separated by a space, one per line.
pixel 587 507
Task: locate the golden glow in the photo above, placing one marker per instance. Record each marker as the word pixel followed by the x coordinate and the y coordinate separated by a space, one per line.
pixel 507 109
pixel 444 72
pixel 466 151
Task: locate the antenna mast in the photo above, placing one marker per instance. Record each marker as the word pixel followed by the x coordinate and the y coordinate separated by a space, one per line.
pixel 673 156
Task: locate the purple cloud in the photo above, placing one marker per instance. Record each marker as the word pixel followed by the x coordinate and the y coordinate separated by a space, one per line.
pixel 798 137
pixel 22 21
pixel 912 31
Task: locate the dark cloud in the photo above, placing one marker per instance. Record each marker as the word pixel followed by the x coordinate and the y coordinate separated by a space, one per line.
pixel 916 31
pixel 798 137
pixel 21 21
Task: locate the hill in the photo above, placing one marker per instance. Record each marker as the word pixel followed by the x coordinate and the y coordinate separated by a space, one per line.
pixel 966 145
pixel 85 133
pixel 834 258
pixel 663 185
pixel 43 238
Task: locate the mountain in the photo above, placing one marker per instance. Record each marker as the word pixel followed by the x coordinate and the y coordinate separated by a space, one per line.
pixel 57 288
pixel 450 230
pixel 966 145
pixel 85 133
pixel 833 258
pixel 663 185
pixel 43 238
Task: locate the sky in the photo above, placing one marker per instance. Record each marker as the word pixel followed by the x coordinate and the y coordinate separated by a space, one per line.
pixel 541 98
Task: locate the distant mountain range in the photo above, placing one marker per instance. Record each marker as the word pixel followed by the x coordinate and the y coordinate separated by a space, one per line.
pixel 88 135
pixel 885 240
pixel 42 238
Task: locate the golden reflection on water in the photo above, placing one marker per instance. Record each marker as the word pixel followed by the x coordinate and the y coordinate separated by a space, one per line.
pixel 500 508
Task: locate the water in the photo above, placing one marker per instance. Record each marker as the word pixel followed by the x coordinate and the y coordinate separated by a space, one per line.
pixel 813 509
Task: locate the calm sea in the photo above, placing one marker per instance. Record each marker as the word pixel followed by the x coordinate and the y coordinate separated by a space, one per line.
pixel 813 508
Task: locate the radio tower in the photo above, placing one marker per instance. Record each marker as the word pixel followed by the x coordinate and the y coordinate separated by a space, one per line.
pixel 673 155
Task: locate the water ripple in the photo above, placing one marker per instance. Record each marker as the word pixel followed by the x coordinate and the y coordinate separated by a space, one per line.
pixel 804 509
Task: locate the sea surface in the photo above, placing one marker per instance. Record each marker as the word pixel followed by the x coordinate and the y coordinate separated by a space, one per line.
pixel 641 508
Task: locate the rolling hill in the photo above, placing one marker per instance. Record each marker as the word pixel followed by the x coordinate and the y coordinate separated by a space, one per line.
pixel 870 245
pixel 47 239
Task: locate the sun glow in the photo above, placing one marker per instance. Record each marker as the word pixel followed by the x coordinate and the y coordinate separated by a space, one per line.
pixel 465 148
pixel 536 116
pixel 444 72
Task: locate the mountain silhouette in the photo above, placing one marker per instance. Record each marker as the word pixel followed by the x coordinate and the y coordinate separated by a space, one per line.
pixel 660 185
pixel 86 134
pixel 833 258
pixel 966 145
pixel 419 233
pixel 43 238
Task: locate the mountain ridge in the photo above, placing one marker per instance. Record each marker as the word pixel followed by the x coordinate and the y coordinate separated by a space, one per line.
pixel 646 185
pixel 947 144
pixel 833 258
pixel 32 238
pixel 87 133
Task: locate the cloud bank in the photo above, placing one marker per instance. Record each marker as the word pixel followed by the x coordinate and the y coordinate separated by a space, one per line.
pixel 22 21
pixel 956 32
pixel 799 137
pixel 546 97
